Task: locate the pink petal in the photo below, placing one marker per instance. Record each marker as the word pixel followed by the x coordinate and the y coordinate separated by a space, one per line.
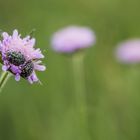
pixel 5 35
pixel 4 68
pixel 15 34
pixel 40 67
pixel 17 77
pixel 30 80
pixel 34 77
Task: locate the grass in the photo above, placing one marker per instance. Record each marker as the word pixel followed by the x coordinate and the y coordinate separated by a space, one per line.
pixel 47 112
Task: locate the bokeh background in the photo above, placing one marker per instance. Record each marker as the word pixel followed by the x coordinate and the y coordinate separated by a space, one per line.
pixel 47 112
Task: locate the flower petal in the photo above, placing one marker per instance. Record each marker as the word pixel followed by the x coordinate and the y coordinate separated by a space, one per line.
pixel 17 77
pixel 15 34
pixel 40 67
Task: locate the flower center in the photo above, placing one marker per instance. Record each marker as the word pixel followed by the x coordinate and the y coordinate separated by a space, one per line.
pixel 15 58
pixel 27 69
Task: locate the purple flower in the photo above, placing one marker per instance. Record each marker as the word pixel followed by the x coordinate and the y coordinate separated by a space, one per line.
pixel 72 38
pixel 129 51
pixel 20 57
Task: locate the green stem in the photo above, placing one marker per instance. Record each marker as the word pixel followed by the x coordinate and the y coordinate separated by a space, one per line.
pixel 80 92
pixel 3 79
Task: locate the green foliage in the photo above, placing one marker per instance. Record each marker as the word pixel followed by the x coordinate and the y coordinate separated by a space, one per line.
pixel 47 112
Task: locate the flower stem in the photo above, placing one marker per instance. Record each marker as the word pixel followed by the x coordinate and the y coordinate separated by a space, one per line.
pixel 3 79
pixel 80 93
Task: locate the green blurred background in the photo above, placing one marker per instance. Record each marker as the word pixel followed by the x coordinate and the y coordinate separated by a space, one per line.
pixel 47 112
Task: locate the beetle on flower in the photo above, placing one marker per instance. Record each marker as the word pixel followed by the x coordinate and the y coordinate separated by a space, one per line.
pixel 20 57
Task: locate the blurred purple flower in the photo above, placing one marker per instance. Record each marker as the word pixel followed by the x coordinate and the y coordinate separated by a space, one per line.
pixel 73 38
pixel 20 57
pixel 129 51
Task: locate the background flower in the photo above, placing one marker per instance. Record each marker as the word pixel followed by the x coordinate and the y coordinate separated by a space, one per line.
pixel 129 51
pixel 73 38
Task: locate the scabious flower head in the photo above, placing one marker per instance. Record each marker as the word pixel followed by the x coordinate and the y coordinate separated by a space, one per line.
pixel 73 38
pixel 20 57
pixel 129 51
